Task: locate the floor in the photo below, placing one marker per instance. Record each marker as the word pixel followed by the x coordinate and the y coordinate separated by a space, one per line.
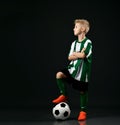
pixel 98 116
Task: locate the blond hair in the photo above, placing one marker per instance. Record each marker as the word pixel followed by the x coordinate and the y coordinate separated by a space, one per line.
pixel 84 23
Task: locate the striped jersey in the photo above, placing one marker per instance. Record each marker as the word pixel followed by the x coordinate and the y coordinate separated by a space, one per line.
pixel 80 68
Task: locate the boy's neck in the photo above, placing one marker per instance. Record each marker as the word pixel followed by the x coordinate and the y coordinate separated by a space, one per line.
pixel 81 37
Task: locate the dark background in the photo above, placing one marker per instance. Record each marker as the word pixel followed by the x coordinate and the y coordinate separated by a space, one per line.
pixel 35 38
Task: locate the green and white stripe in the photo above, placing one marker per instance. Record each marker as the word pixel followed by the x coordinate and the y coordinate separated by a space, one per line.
pixel 80 68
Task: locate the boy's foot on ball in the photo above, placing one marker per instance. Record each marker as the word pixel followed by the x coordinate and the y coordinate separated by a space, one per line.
pixel 61 98
pixel 82 116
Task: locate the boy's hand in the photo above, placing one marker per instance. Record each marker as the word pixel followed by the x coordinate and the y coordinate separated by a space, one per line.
pixel 75 54
pixel 72 57
pixel 79 54
pixel 82 50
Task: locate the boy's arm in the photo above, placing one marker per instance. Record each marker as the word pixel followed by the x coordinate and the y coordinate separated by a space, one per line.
pixel 72 57
pixel 80 54
pixel 76 55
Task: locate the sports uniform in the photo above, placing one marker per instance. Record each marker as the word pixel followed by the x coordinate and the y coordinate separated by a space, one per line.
pixel 80 68
pixel 78 71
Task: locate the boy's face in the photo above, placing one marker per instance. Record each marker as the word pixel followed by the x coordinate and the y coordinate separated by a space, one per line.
pixel 77 29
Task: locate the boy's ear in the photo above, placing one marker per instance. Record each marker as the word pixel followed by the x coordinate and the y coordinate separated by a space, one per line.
pixel 82 29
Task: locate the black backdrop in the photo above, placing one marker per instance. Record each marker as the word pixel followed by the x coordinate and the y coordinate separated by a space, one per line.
pixel 35 39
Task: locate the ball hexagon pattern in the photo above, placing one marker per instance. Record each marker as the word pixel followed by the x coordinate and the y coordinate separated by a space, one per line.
pixel 61 111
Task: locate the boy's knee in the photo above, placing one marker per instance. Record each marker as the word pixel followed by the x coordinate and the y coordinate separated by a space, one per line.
pixel 59 75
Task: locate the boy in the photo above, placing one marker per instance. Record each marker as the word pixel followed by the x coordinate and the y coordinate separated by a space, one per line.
pixel 78 71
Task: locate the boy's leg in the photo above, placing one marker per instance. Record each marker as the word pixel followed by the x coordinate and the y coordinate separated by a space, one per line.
pixel 61 86
pixel 84 101
pixel 60 77
pixel 83 105
pixel 62 97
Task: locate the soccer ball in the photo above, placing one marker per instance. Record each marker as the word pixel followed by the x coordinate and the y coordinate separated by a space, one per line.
pixel 61 111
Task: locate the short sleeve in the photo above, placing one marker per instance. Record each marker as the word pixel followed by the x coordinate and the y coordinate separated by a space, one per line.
pixel 88 48
pixel 71 48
